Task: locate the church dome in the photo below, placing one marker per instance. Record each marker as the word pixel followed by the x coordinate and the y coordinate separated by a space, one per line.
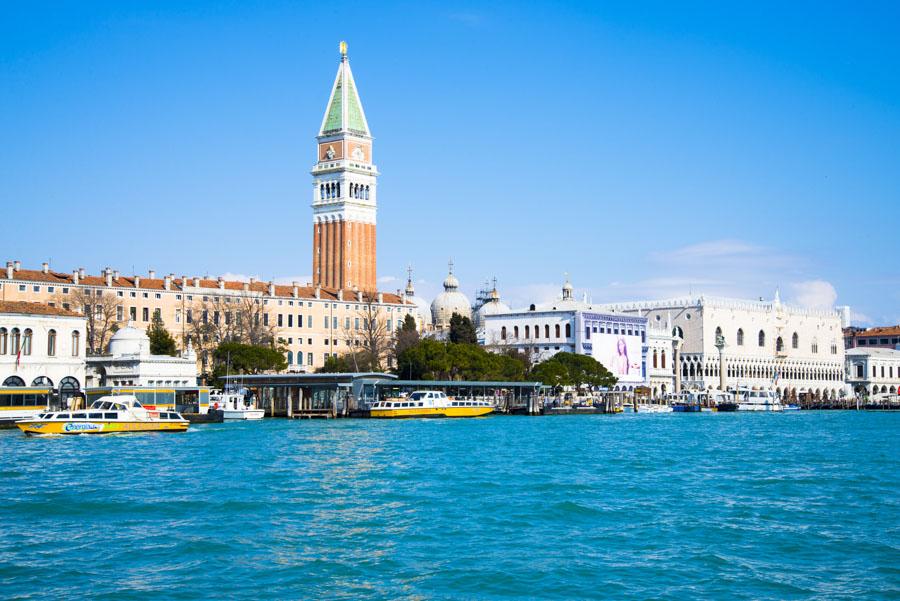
pixel 129 341
pixel 448 302
pixel 423 308
pixel 493 306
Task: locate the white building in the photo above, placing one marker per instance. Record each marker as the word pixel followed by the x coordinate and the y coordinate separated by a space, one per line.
pixel 129 363
pixel 41 345
pixel 873 371
pixel 635 353
pixel 422 313
pixel 799 352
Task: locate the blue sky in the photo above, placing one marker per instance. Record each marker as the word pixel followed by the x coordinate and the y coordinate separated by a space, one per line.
pixel 647 149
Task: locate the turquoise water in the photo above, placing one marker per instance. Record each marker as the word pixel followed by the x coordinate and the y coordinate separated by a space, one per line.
pixel 731 506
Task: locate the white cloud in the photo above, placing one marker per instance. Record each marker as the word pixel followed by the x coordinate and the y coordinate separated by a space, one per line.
pixel 813 294
pixel 387 279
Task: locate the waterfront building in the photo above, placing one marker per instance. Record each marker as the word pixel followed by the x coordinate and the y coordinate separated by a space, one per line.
pixel 887 337
pixel 873 371
pixel 635 353
pixel 344 191
pixel 312 320
pixel 41 346
pixel 448 302
pixel 799 352
pixel 130 363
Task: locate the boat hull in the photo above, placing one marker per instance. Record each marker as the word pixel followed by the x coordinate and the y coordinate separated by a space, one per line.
pixel 42 428
pixel 249 414
pixel 408 412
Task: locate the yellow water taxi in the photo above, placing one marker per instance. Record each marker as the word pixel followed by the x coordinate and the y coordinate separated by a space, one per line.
pixel 106 415
pixel 429 403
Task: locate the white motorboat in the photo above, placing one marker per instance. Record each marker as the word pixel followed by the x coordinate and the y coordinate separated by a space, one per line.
pixel 758 400
pixel 235 406
pixel 654 408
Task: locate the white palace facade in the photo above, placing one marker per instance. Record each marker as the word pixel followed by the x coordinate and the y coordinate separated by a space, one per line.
pixel 799 352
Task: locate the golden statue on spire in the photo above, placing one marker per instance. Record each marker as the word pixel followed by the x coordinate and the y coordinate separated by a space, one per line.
pixel 343 47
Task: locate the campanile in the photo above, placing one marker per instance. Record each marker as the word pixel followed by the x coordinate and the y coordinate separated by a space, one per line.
pixel 344 196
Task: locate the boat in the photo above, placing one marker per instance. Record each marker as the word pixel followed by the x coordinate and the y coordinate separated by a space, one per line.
pixel 654 408
pixel 235 406
pixel 761 399
pixel 18 403
pixel 429 403
pixel 106 415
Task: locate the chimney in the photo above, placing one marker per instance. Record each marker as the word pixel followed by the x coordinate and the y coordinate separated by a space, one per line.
pixel 167 282
pixel 108 275
pixel 184 282
pixel 137 281
pixel 271 288
pixel 45 267
pixel 74 274
pixel 380 297
pixel 340 295
pixel 81 272
pixel 116 274
pixel 18 265
pixel 9 270
pixel 221 281
pixel 246 286
pixel 318 292
pixel 196 282
pixel 295 289
pixel 359 297
pixel 151 274
pixel 252 280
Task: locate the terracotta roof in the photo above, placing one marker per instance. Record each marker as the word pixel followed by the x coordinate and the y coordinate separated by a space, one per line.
pixel 26 308
pixel 879 331
pixel 178 284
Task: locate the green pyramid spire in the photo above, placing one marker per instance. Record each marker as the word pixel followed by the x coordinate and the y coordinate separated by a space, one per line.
pixel 344 112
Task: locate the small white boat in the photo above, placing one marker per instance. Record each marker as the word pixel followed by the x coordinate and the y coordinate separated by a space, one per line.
pixel 654 408
pixel 759 400
pixel 235 406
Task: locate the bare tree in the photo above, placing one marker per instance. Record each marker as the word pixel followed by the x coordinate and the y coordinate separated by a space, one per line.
pixel 217 319
pixel 99 309
pixel 369 336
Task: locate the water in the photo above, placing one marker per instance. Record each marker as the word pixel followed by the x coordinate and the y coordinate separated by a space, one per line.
pixel 731 506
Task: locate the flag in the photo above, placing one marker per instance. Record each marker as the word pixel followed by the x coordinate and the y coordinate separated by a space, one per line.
pixel 18 358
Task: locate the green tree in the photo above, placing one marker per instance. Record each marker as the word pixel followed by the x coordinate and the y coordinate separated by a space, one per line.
pixel 161 342
pixel 461 330
pixel 341 364
pixel 431 359
pixel 572 369
pixel 239 358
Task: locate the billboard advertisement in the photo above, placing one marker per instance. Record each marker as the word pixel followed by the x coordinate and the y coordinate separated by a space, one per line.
pixel 620 354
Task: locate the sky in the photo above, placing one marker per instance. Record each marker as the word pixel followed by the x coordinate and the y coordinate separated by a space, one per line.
pixel 647 150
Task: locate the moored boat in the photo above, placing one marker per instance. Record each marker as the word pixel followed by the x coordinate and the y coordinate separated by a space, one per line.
pixel 758 399
pixel 429 403
pixel 235 406
pixel 106 415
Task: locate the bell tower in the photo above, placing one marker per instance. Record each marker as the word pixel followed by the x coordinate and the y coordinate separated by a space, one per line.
pixel 344 196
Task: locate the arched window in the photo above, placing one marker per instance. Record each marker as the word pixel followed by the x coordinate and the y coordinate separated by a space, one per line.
pixel 290 358
pixel 779 345
pixel 527 332
pixel 322 191
pixel 76 343
pixel 515 331
pixel 537 331
pixel 16 341
pixel 655 360
pixel 51 343
pixel 664 359
pixel 14 381
pixel 740 337
pixel 43 382
pixel 762 338
pixel 718 333
pixel 568 330
pixel 26 341
pixel 338 190
pixel 68 387
pixel 557 330
pixel 503 333
pixel 547 331
pixel 367 192
pixel 795 341
pixel 4 335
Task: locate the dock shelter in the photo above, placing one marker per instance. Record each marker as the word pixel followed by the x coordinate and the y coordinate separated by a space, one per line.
pixel 346 394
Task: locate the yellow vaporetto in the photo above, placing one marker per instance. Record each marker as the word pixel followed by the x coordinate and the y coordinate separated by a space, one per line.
pixel 429 403
pixel 106 415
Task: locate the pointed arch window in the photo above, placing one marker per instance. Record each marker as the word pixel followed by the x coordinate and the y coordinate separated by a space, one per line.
pixel 26 341
pixel 527 332
pixel 547 331
pixel 762 338
pixel 740 337
pixel 515 331
pixel 779 344
pixel 568 330
pixel 503 333
pixel 4 336
pixel 537 331
pixel 795 341
pixel 51 343
pixel 557 330
pixel 663 357
pixel 16 340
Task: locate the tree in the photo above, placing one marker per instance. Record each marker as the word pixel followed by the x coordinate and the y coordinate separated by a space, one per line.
pixel 431 359
pixel 572 369
pixel 341 364
pixel 369 334
pixel 99 308
pixel 407 336
pixel 461 330
pixel 161 342
pixel 239 358
pixel 213 320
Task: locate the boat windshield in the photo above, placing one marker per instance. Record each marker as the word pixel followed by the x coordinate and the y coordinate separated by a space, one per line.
pixel 417 396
